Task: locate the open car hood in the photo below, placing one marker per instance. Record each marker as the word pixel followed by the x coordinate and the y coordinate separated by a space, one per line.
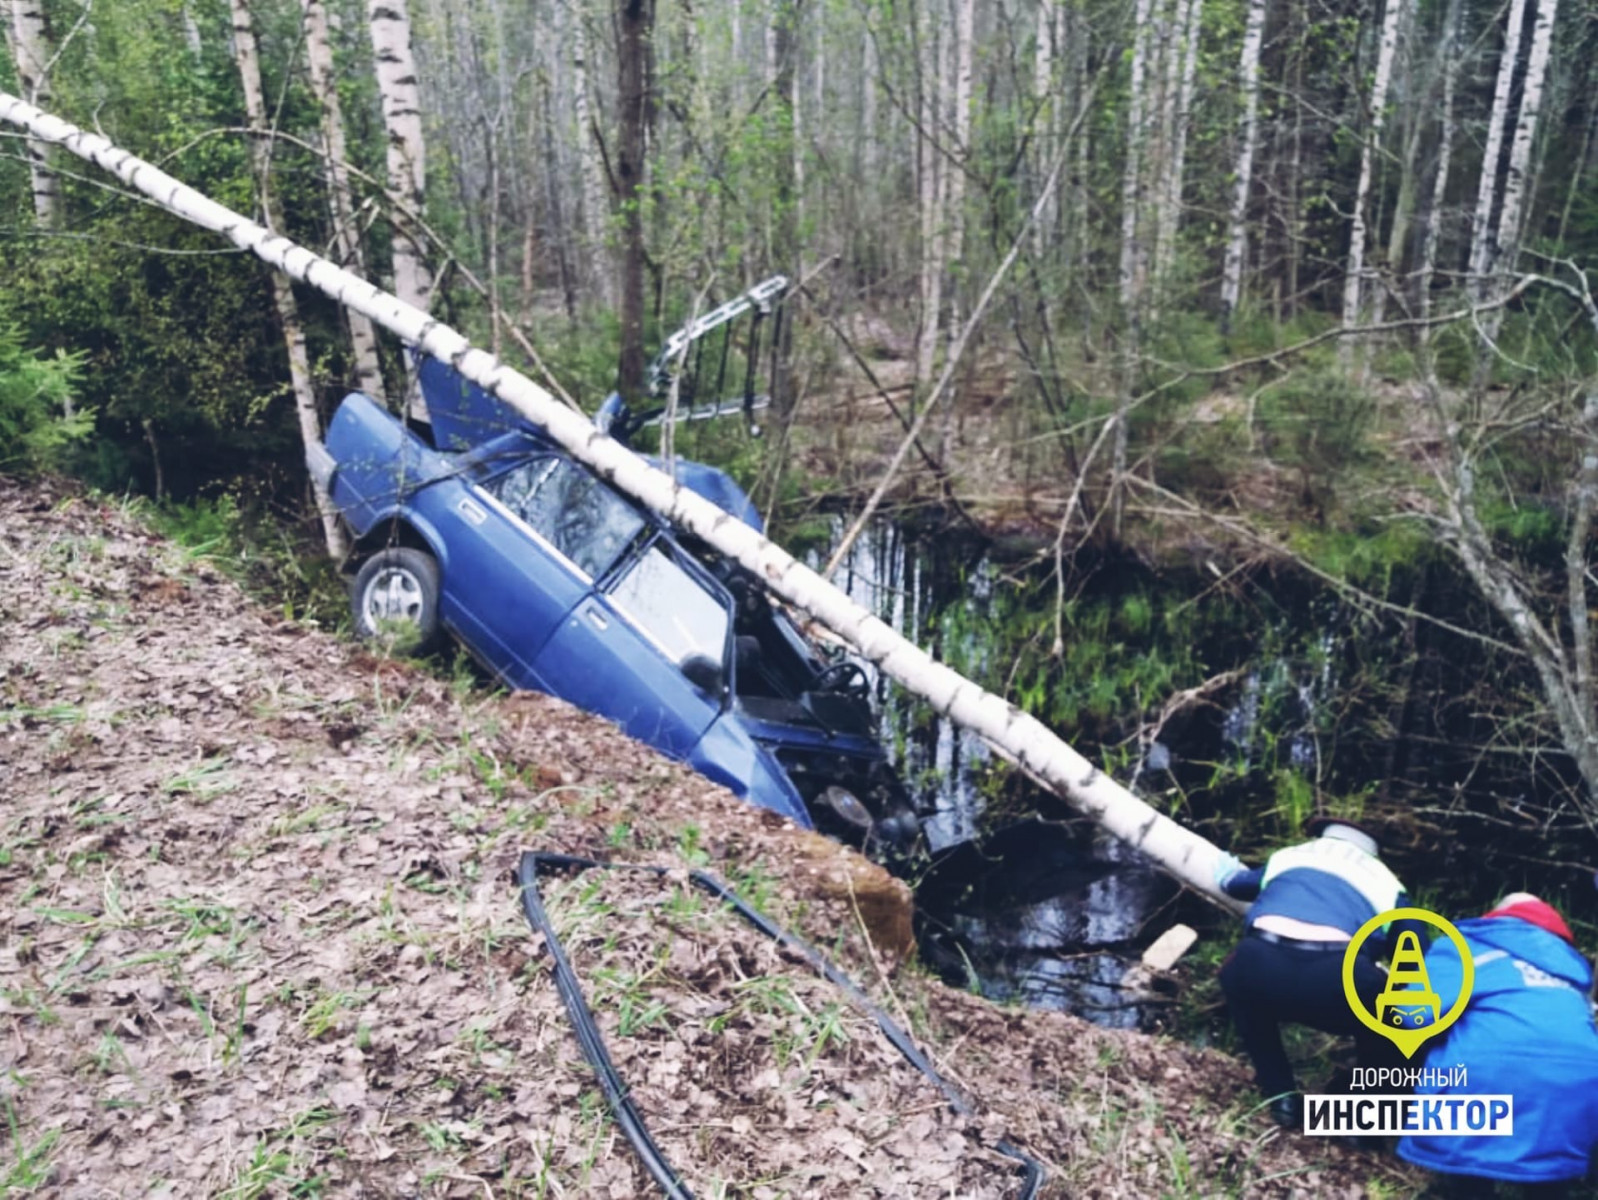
pixel 463 415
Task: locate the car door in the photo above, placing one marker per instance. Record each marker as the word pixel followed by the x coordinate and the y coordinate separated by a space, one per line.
pixel 543 532
pixel 622 651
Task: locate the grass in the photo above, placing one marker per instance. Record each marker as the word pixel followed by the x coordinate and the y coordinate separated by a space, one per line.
pixel 29 1165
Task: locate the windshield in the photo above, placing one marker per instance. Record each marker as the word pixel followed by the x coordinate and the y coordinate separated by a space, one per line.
pixel 678 611
pixel 567 507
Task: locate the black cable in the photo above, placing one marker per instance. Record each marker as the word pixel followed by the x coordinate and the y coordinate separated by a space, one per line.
pixel 593 1044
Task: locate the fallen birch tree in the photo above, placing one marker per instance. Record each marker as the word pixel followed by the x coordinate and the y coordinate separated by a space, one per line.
pixel 1182 853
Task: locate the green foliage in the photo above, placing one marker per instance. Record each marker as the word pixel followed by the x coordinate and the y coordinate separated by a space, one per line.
pixel 36 392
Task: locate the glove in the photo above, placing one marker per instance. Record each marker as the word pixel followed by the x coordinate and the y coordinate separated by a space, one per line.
pixel 1226 865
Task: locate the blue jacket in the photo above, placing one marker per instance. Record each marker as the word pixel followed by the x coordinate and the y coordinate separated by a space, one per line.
pixel 1325 882
pixel 1527 1032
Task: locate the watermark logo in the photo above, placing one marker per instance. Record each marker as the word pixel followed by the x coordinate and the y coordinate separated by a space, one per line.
pixel 1408 1011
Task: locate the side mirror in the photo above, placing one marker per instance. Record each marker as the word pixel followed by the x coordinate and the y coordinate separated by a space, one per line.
pixel 704 673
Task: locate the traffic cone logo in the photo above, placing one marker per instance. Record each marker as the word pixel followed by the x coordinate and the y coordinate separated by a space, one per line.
pixel 1408 1010
pixel 1408 994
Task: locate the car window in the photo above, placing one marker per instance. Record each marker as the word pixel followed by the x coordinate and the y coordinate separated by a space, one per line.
pixel 576 513
pixel 677 610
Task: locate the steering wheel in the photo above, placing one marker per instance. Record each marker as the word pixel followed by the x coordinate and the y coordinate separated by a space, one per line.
pixel 847 677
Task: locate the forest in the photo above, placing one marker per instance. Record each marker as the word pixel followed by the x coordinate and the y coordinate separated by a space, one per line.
pixel 1289 298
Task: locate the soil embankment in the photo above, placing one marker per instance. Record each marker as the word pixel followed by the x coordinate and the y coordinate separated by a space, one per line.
pixel 259 939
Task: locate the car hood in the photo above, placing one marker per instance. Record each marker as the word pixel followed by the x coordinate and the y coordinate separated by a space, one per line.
pixel 465 416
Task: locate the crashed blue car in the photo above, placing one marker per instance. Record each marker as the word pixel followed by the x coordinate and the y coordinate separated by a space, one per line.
pixel 481 528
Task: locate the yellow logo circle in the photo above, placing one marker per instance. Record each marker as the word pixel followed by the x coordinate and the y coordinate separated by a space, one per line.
pixel 1407 1000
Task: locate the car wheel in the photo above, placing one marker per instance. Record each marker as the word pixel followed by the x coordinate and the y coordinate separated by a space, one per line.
pixel 395 600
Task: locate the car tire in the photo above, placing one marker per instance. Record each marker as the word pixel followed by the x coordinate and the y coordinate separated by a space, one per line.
pixel 398 585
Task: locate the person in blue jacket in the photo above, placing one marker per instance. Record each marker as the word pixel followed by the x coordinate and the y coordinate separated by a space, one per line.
pixel 1309 901
pixel 1527 1031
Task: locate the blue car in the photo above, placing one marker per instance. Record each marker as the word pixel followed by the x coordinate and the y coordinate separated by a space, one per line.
pixel 482 529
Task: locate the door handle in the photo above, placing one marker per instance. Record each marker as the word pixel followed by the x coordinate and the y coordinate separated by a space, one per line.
pixel 596 617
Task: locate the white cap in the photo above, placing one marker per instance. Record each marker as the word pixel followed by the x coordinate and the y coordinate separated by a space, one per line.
pixel 1353 836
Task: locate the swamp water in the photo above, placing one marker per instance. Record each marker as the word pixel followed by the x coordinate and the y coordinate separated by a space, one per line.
pixel 1296 712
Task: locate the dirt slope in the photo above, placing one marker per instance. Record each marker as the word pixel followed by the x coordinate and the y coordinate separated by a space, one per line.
pixel 259 939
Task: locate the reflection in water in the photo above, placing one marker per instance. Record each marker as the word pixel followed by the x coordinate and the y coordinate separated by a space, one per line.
pixel 1043 912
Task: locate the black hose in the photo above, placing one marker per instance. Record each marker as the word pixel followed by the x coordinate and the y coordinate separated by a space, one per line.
pixel 593 1044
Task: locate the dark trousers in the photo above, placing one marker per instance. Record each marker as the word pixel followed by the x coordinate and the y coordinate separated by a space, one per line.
pixel 1268 983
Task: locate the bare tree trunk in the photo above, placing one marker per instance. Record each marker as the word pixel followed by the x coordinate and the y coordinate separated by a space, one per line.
pixel 1449 54
pixel 1047 122
pixel 407 160
pixel 1501 257
pixel 930 192
pixel 30 51
pixel 783 43
pixel 1353 281
pixel 249 64
pixel 1481 253
pixel 954 191
pixel 1171 201
pixel 1248 71
pixel 596 209
pixel 1132 251
pixel 346 234
pixel 635 27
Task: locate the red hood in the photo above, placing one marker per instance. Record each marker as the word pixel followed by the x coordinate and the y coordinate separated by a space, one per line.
pixel 1537 913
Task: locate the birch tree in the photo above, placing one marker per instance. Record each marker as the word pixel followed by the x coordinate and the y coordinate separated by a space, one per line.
pixel 635 24
pixel 1449 54
pixel 346 234
pixel 1481 254
pixel 247 56
pixel 1182 73
pixel 1353 280
pixel 1501 255
pixel 30 51
pixel 1248 72
pixel 601 271
pixel 390 24
pixel 930 166
pixel 954 192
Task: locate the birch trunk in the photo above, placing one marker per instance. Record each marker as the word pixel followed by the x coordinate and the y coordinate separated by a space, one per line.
pixel 1046 124
pixel 634 31
pixel 1171 202
pixel 346 234
pixel 954 190
pixel 1184 854
pixel 1132 183
pixel 1353 281
pixel 1481 254
pixel 1501 257
pixel 1248 71
pixel 407 161
pixel 1445 157
pixel 596 208
pixel 249 64
pixel 30 51
pixel 930 194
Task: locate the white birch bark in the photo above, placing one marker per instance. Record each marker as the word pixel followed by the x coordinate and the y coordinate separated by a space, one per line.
pixel 1170 207
pixel 346 234
pixel 407 160
pixel 1184 854
pixel 1132 183
pixel 930 192
pixel 1445 158
pixel 1487 188
pixel 596 209
pixel 248 59
pixel 30 51
pixel 1353 281
pixel 954 190
pixel 1248 70
pixel 1045 122
pixel 1501 256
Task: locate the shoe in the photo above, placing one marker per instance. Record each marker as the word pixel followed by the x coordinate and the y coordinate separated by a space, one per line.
pixel 1288 1111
